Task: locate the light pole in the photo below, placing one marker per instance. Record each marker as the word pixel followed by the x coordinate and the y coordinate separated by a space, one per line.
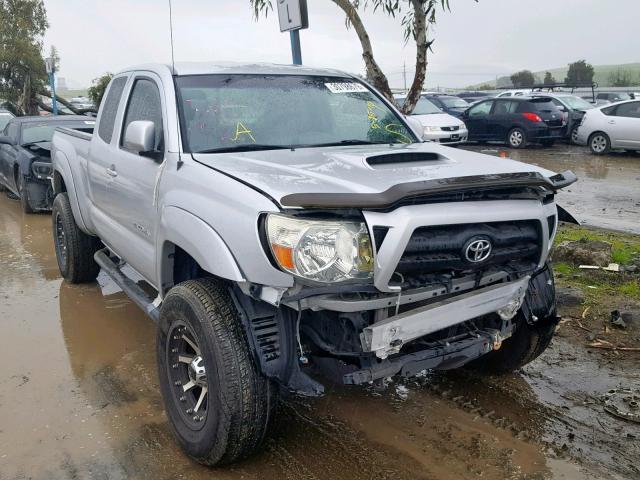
pixel 50 64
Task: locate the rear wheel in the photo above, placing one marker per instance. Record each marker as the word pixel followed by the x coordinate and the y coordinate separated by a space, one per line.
pixel 599 143
pixel 74 248
pixel 218 403
pixel 516 138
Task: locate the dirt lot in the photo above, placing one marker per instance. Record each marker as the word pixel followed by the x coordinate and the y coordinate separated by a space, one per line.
pixel 79 395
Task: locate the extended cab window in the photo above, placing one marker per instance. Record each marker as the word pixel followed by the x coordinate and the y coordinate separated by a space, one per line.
pixel 145 104
pixel 245 112
pixel 110 108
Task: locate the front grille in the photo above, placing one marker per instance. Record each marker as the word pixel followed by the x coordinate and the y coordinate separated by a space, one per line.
pixel 451 129
pixel 437 251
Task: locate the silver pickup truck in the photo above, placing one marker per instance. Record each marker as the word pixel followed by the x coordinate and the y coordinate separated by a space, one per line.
pixel 292 225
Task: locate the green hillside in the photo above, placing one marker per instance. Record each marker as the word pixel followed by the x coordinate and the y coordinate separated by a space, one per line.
pixel 601 74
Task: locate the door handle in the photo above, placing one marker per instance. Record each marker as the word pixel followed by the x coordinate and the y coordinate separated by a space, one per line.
pixel 111 171
pixel 613 122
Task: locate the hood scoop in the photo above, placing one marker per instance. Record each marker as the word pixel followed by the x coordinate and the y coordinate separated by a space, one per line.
pixel 404 158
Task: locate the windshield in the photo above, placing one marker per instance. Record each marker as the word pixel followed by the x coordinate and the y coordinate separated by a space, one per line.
pixel 425 107
pixel 4 119
pixel 454 102
pixel 43 132
pixel 577 103
pixel 245 112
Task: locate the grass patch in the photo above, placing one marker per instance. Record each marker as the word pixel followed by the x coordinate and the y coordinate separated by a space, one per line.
pixel 625 247
pixel 631 289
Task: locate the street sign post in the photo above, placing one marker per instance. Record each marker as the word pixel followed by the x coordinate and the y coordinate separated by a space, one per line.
pixel 293 17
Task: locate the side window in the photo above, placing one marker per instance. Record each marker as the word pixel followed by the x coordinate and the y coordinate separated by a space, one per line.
pixel 481 109
pixel 110 108
pixel 12 130
pixel 609 110
pixel 145 104
pixel 630 110
pixel 504 107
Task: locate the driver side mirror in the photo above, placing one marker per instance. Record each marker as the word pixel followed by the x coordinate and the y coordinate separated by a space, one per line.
pixel 140 138
pixel 6 140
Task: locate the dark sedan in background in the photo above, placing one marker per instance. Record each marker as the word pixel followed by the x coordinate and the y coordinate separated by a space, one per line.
pixel 515 121
pixel 25 157
pixel 448 103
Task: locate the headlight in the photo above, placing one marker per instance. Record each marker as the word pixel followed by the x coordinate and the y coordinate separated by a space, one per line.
pixel 431 129
pixel 323 251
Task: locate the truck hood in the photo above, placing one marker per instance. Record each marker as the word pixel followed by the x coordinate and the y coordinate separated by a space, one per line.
pixel 333 175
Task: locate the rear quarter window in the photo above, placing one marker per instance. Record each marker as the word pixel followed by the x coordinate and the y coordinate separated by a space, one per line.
pixel 110 109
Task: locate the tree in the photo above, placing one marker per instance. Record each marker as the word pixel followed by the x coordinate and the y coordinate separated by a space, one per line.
pixel 523 79
pixel 417 17
pixel 621 78
pixel 22 70
pixel 548 79
pixel 580 73
pixel 98 87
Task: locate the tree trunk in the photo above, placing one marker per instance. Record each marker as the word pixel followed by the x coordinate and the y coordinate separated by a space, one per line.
pixel 374 72
pixel 422 47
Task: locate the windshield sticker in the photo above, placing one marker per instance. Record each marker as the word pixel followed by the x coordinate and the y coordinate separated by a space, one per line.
pixel 346 87
pixel 242 130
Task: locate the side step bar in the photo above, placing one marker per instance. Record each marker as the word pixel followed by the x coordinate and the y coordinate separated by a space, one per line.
pixel 131 288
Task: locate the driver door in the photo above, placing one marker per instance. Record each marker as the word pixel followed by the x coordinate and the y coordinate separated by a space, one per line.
pixel 477 119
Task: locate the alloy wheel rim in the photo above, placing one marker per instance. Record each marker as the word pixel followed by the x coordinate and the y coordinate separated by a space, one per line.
pixel 599 143
pixel 516 138
pixel 61 239
pixel 574 135
pixel 187 375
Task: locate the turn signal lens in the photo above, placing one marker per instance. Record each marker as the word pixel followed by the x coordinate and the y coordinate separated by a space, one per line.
pixel 284 256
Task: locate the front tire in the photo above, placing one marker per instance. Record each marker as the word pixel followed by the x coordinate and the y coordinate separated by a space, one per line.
pixel 517 138
pixel 201 347
pixel 25 203
pixel 74 248
pixel 573 136
pixel 599 143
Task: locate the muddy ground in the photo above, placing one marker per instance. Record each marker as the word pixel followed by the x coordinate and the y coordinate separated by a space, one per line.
pixel 79 398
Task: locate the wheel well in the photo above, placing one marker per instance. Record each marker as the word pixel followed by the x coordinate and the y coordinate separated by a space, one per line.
pixel 58 183
pixel 179 266
pixel 598 132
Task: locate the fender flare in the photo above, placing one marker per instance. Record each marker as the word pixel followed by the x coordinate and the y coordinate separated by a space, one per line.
pixel 62 167
pixel 198 239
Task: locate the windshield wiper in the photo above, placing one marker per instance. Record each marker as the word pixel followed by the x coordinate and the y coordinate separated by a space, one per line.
pixel 28 144
pixel 250 147
pixel 353 141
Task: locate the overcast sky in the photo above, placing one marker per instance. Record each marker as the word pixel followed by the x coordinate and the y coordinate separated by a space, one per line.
pixel 474 42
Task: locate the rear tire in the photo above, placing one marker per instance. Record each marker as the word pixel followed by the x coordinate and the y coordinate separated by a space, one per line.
pixel 74 248
pixel 599 143
pixel 517 138
pixel 230 421
pixel 525 345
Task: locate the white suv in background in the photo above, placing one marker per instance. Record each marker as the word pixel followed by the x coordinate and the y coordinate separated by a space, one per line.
pixel 437 125
pixel 611 126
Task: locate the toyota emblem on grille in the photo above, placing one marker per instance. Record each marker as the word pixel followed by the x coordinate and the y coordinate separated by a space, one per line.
pixel 478 250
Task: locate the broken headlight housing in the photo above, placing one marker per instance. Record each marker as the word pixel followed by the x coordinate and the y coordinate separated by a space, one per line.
pixel 320 250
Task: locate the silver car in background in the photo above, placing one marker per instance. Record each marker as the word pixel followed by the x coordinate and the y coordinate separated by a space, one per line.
pixel 437 125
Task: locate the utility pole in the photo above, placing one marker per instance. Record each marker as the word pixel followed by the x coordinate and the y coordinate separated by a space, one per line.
pixel 404 73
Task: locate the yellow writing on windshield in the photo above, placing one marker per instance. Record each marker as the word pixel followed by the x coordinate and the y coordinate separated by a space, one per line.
pixel 391 128
pixel 371 116
pixel 242 130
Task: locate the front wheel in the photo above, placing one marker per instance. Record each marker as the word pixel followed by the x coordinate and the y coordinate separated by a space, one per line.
pixel 573 136
pixel 599 143
pixel 516 138
pixel 218 403
pixel 25 203
pixel 74 248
